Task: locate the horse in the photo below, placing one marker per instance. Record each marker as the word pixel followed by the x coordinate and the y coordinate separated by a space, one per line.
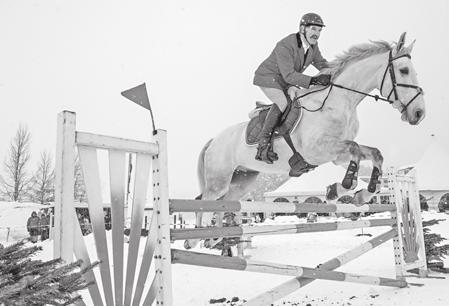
pixel 227 169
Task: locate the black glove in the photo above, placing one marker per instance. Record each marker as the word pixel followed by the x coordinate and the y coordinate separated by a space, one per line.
pixel 322 79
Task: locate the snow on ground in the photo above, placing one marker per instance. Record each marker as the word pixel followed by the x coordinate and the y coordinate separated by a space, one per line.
pixel 196 286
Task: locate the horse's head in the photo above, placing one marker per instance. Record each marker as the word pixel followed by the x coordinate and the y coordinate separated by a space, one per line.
pixel 400 84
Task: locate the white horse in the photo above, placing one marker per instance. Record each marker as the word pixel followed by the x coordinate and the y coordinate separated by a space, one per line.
pixel 228 170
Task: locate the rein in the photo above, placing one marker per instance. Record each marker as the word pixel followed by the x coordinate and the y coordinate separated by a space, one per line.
pixel 389 68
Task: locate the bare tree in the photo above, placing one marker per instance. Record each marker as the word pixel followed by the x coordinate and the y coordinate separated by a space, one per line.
pixel 16 178
pixel 43 182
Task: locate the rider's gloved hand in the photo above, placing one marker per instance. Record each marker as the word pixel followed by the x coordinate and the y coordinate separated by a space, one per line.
pixel 293 92
pixel 322 79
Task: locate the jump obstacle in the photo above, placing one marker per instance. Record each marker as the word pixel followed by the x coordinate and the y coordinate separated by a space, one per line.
pixel 151 157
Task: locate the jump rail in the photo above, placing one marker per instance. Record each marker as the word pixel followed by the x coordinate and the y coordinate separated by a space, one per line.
pixel 151 158
pixel 177 205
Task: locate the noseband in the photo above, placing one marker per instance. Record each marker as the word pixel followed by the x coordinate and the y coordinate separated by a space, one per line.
pixel 390 68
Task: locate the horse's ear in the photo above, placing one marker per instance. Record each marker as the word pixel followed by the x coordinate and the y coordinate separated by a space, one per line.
pixel 410 47
pixel 401 42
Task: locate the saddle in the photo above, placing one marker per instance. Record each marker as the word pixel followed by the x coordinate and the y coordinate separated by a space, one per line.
pixel 290 119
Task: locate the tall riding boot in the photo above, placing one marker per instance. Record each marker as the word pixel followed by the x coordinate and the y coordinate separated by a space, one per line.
pixel 265 149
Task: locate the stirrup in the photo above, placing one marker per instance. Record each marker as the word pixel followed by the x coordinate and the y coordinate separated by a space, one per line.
pixel 266 150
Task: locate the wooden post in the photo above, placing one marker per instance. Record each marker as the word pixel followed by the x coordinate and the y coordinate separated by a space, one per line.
pixel 162 214
pixel 64 186
pixel 392 184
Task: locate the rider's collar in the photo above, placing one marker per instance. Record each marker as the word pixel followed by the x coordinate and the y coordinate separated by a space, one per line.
pixel 305 44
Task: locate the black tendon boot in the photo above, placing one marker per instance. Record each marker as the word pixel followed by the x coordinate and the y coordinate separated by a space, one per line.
pixel 265 149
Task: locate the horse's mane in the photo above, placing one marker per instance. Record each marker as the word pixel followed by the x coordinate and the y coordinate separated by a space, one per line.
pixel 357 53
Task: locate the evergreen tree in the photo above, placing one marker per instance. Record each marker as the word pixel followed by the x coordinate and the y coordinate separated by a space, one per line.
pixel 24 281
pixel 435 251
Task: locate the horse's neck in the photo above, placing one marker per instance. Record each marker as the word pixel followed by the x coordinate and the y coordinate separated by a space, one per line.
pixel 363 76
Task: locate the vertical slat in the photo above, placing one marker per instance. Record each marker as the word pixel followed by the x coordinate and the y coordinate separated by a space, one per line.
pixel 161 211
pixel 419 227
pixel 89 164
pixel 151 295
pixel 80 250
pixel 117 177
pixel 64 186
pixel 146 261
pixel 140 192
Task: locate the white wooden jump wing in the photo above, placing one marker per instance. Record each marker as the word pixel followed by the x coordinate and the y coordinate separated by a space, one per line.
pixel 69 240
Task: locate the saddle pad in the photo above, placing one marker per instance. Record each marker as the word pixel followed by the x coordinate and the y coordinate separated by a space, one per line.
pixel 289 120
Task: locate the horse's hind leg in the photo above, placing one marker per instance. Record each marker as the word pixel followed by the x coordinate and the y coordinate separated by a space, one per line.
pixel 242 183
pixel 349 154
pixel 217 184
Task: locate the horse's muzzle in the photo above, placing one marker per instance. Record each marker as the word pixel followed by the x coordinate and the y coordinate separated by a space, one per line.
pixel 416 116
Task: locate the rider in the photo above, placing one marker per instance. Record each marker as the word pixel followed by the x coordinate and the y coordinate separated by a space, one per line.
pixel 282 69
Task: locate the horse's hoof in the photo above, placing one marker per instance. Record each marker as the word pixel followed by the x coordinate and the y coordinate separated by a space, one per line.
pixel 187 245
pixel 191 243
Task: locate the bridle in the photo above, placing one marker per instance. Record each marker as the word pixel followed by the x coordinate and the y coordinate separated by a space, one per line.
pixel 389 68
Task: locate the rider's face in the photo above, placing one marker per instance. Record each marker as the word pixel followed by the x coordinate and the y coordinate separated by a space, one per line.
pixel 312 33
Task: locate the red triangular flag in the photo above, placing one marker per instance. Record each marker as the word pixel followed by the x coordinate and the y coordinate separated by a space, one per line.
pixel 138 95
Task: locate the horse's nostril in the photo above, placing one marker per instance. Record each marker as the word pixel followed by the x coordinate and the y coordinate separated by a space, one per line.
pixel 418 114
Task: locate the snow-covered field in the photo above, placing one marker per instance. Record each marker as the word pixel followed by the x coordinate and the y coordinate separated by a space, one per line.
pixel 195 286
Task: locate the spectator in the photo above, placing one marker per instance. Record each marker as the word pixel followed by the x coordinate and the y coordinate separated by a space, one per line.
pixel 45 226
pixel 107 219
pixel 33 225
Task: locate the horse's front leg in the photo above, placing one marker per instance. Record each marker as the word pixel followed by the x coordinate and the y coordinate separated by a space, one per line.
pixel 348 154
pixel 373 154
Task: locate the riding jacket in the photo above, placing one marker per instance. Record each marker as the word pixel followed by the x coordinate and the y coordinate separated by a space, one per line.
pixel 286 63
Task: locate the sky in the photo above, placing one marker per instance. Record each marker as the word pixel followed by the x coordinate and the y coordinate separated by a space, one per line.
pixel 198 60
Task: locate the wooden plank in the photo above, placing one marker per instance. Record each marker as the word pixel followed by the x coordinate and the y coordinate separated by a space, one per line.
pixel 239 231
pixel 181 205
pixel 89 164
pixel 142 174
pixel 81 252
pixel 115 143
pixel 117 179
pixel 64 186
pixel 296 283
pixel 146 261
pixel 151 295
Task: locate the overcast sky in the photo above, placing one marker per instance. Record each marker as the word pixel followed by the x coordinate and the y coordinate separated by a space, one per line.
pixel 198 59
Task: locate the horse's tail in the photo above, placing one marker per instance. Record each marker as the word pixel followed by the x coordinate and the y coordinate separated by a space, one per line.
pixel 200 169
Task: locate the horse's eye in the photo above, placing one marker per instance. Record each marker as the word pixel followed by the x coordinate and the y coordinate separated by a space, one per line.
pixel 404 70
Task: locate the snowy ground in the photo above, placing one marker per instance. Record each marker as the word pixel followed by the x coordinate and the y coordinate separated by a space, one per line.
pixel 195 286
